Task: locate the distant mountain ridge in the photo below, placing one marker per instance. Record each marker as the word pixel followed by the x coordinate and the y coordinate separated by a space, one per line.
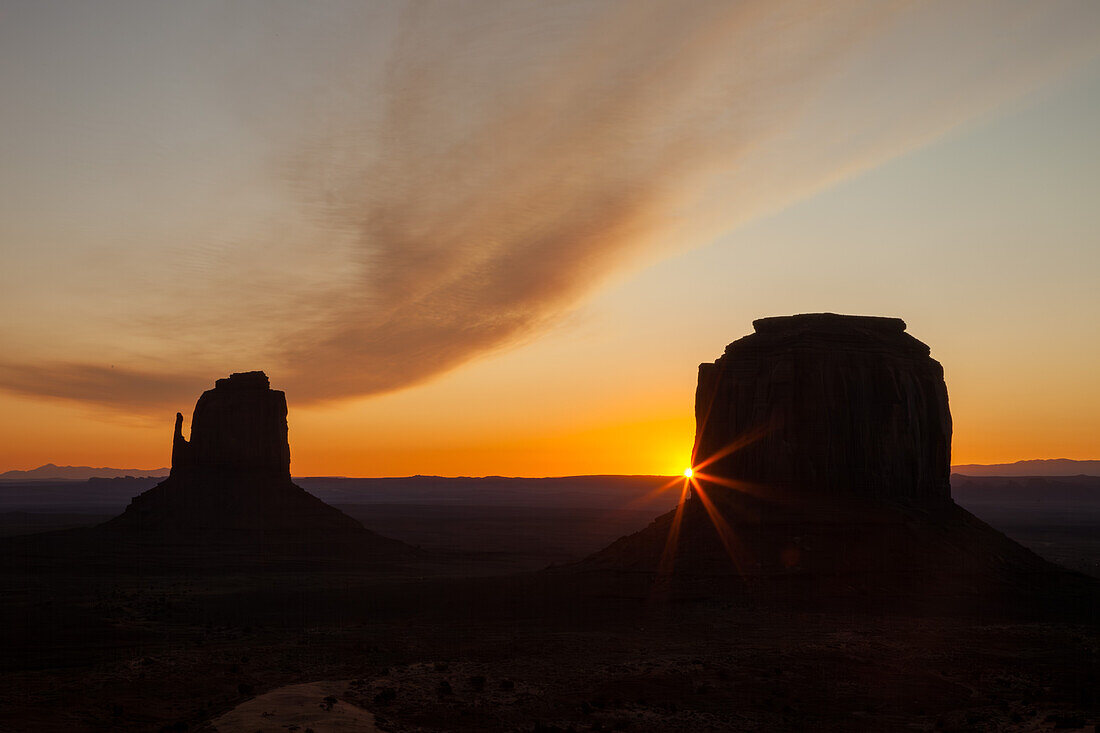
pixel 52 472
pixel 1035 467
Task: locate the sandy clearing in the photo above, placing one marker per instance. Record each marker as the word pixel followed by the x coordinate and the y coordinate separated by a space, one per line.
pixel 297 705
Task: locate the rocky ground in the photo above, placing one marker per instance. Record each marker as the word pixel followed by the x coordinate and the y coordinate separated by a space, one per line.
pixel 521 653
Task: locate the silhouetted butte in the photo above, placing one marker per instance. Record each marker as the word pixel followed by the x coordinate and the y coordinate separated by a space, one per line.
pixel 821 470
pixel 828 406
pixel 230 484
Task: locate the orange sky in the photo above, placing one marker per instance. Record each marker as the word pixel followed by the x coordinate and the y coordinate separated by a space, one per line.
pixel 469 243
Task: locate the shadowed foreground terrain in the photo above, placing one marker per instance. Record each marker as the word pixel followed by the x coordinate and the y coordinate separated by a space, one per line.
pixel 423 646
pixel 766 599
pixel 535 651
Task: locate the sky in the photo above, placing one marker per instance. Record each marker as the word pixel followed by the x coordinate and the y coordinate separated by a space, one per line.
pixel 487 238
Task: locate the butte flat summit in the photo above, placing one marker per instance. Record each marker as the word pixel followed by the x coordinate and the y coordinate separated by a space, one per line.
pixel 821 469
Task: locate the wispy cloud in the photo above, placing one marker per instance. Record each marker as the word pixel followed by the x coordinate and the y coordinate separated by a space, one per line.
pixel 514 156
pixel 117 388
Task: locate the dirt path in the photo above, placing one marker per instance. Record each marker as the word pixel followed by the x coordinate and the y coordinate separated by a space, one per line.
pixel 298 708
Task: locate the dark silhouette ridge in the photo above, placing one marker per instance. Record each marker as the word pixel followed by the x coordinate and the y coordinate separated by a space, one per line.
pixel 822 467
pixel 230 484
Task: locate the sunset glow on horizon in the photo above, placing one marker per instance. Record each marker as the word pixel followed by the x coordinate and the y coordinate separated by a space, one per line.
pixel 473 242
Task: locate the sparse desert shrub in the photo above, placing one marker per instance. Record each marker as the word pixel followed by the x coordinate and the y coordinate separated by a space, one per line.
pixel 477 682
pixel 1066 720
pixel 541 727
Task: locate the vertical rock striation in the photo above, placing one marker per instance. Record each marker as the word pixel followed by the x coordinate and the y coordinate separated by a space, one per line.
pixel 828 405
pixel 238 427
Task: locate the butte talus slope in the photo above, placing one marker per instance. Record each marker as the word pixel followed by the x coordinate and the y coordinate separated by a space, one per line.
pixel 821 471
pixel 230 485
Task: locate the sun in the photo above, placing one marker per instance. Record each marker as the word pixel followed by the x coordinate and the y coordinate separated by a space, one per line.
pixel 688 472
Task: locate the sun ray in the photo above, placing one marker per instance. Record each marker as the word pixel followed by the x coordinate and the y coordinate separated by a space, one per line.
pixel 745 487
pixel 701 427
pixel 725 532
pixel 668 556
pixel 651 494
pixel 744 440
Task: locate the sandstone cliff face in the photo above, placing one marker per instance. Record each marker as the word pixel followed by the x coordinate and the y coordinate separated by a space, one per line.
pixel 239 426
pixel 828 405
pixel 822 464
pixel 230 484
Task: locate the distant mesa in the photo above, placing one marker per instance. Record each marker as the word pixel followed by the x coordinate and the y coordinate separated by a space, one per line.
pixel 1034 467
pixel 230 484
pixel 51 472
pixel 821 468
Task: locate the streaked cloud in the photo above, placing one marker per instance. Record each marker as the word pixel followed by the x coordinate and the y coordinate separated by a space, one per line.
pixel 467 180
